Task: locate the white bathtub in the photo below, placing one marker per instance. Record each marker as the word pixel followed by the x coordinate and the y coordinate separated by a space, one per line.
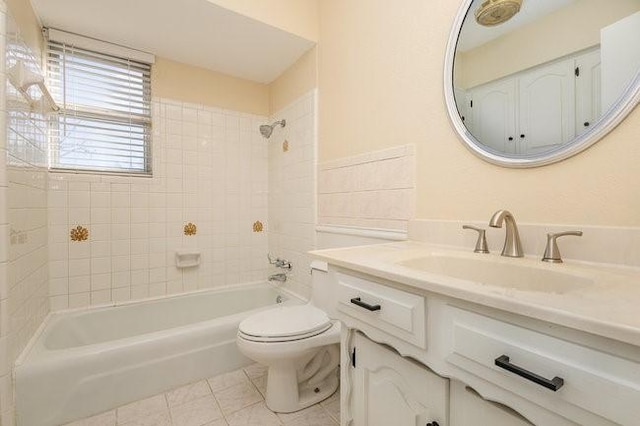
pixel 87 362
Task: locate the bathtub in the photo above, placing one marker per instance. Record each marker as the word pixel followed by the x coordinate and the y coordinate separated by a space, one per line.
pixel 86 362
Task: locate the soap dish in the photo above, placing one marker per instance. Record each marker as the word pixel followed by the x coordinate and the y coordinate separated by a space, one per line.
pixel 187 259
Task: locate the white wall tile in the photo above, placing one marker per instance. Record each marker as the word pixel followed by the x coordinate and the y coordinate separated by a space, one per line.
pixel 211 168
pixel 290 194
pixel 79 300
pixel 137 224
pixel 372 190
pixel 100 297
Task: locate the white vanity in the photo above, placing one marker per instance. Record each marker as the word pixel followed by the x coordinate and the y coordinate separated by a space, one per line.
pixel 435 334
pixel 441 336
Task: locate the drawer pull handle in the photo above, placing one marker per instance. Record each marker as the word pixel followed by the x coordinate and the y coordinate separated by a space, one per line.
pixel 368 307
pixel 553 384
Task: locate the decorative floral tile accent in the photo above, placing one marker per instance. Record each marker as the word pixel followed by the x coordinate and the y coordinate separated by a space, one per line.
pixel 190 229
pixel 257 226
pixel 285 146
pixel 79 233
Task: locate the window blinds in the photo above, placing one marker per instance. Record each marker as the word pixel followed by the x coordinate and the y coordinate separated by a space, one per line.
pixel 105 118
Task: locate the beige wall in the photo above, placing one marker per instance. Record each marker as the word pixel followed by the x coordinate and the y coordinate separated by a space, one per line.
pixel 542 41
pixel 299 17
pixel 28 24
pixel 175 80
pixel 380 84
pixel 297 80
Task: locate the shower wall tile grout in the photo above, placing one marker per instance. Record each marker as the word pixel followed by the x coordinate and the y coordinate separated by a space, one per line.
pixel 24 299
pixel 209 168
pixel 292 190
pixel 6 392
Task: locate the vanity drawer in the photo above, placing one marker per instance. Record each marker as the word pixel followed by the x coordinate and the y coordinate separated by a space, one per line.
pixel 530 364
pixel 393 311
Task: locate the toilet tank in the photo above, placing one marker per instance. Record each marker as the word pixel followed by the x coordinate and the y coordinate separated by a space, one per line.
pixel 321 286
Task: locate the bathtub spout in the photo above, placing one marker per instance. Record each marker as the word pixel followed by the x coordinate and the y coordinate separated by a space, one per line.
pixel 281 277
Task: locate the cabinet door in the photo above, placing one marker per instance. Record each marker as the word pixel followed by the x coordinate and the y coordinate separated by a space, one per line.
pixel 470 409
pixel 588 91
pixel 391 390
pixel 494 114
pixel 547 110
pixel 462 103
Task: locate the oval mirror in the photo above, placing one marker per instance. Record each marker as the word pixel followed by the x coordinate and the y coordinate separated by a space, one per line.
pixel 532 82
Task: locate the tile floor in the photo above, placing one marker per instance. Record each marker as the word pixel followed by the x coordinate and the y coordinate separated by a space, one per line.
pixel 231 399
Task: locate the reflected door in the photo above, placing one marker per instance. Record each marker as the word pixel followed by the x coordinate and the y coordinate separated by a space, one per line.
pixel 547 110
pixel 588 91
pixel 494 115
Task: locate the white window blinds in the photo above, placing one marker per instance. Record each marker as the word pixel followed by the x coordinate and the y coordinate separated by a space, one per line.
pixel 104 122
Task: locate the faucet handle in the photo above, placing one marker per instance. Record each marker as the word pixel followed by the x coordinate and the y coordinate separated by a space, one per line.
pixel 279 263
pixel 552 252
pixel 481 242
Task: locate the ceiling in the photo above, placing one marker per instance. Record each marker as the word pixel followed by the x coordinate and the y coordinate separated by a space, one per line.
pixel 474 34
pixel 195 32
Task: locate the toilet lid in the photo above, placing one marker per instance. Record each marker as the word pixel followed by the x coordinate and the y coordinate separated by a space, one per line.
pixel 286 322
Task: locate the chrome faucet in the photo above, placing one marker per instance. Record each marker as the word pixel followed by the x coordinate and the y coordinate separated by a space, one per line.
pixel 551 251
pixel 279 263
pixel 281 277
pixel 512 246
pixel 481 242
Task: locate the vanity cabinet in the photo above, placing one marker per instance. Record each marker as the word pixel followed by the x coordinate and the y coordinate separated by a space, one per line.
pixel 389 389
pixel 543 369
pixel 385 309
pixel 468 408
pixel 416 358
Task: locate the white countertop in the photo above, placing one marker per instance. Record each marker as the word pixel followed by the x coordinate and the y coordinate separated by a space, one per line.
pixel 609 306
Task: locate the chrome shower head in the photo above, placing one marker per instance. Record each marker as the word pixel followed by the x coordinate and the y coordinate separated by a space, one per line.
pixel 267 129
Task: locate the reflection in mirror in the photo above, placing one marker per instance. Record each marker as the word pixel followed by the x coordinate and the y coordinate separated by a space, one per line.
pixel 532 84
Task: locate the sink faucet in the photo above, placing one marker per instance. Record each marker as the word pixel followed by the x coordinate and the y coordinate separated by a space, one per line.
pixel 512 246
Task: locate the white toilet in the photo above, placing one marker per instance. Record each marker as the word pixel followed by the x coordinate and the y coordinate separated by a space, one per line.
pixel 299 345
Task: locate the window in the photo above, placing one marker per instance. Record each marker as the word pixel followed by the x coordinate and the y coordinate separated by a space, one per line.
pixel 104 122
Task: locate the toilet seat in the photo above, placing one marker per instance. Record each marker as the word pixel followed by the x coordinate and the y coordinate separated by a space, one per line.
pixel 284 324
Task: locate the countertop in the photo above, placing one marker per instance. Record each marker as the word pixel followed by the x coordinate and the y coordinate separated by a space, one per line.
pixel 609 306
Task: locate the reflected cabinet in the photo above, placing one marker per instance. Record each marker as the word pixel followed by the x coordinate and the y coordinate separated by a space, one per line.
pixel 536 110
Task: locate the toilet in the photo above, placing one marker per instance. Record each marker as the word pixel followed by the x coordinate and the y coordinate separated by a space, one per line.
pixel 300 347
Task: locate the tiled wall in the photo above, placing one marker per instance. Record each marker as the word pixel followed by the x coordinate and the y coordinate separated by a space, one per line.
pixel 210 169
pixel 24 291
pixel 374 190
pixel 6 393
pixel 292 196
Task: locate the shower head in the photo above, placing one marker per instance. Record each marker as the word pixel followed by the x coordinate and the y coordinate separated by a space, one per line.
pixel 267 129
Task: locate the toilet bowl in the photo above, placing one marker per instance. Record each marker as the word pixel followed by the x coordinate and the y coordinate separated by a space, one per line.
pixel 300 347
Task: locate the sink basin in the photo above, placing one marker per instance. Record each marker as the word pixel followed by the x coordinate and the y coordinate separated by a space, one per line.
pixel 517 274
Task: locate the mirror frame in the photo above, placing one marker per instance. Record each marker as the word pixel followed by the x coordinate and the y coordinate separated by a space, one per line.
pixel 607 122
